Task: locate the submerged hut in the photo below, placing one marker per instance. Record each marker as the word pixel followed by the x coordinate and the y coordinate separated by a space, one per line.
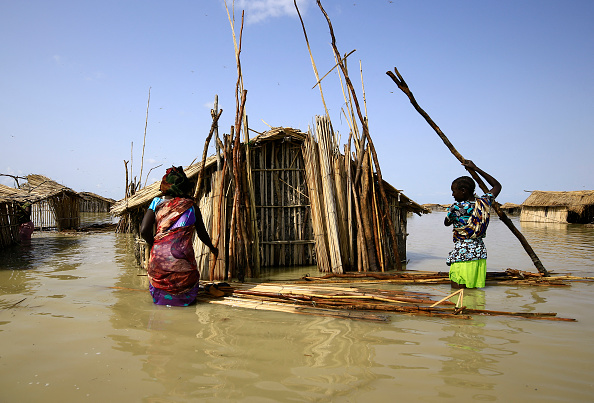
pixel 511 208
pixel 93 203
pixel 559 207
pixel 300 210
pixel 53 205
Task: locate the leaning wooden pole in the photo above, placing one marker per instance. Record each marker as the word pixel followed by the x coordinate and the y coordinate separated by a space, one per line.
pixel 404 88
pixel 213 127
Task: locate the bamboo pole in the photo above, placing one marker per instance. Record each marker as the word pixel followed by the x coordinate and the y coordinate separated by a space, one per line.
pixel 403 86
pixel 144 139
pixel 313 64
pixel 255 250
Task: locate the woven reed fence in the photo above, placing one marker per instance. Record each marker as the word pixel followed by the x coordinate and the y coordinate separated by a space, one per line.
pixel 282 204
pixel 9 227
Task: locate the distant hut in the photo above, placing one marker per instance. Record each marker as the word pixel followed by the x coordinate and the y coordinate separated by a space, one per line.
pixel 511 208
pixel 93 203
pixel 559 207
pixel 53 205
pixel 289 205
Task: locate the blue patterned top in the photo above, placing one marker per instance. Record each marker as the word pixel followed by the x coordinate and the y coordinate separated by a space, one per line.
pixel 471 248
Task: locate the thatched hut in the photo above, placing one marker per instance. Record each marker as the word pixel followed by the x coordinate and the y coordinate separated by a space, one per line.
pixel 299 215
pixel 559 207
pixel 93 203
pixel 53 205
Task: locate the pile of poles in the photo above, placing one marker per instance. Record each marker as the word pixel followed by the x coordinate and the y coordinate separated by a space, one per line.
pixel 353 303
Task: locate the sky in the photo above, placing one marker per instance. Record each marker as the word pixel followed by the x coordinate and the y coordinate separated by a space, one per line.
pixel 509 82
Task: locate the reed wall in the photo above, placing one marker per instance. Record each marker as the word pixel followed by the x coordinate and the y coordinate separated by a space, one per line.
pixel 283 211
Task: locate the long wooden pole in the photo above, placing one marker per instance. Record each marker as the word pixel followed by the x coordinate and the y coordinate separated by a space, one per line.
pixel 404 88
pixel 215 121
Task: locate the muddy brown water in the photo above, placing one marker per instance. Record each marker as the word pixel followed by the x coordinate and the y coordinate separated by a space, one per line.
pixel 74 328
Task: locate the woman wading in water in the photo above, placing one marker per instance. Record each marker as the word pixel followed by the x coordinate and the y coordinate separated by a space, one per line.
pixel 172 267
pixel 469 216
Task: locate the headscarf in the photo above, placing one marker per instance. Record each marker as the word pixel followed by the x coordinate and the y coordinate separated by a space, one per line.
pixel 175 182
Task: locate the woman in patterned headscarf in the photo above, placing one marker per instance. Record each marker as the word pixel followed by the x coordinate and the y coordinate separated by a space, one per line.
pixel 470 218
pixel 172 267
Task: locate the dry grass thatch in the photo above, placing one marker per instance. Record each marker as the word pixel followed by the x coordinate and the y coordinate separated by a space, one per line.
pixel 277 133
pixel 45 187
pixel 575 201
pixel 148 193
pixel 37 188
pixel 12 194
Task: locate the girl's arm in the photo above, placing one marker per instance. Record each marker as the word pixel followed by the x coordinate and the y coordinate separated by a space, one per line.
pixel 496 186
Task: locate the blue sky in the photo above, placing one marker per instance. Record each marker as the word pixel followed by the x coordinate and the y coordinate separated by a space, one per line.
pixel 509 82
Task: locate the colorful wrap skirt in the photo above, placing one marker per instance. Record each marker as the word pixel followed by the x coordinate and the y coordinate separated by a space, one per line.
pixel 162 297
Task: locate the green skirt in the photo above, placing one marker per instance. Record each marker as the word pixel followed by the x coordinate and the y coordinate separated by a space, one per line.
pixel 472 273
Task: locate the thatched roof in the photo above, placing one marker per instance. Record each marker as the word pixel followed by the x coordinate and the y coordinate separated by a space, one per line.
pixel 89 195
pixel 12 194
pixel 37 188
pixel 45 187
pixel 509 205
pixel 575 201
pixel 148 193
pixel 278 133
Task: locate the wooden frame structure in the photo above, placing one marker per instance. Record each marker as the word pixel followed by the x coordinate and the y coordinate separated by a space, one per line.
pixel 300 217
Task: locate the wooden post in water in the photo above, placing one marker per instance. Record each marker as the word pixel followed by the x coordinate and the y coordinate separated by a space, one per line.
pixel 404 88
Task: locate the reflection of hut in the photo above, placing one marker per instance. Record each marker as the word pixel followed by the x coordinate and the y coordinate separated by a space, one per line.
pixel 297 215
pixel 93 203
pixel 53 205
pixel 559 207
pixel 511 208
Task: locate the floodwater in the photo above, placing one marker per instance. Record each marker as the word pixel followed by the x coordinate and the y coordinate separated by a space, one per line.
pixel 77 324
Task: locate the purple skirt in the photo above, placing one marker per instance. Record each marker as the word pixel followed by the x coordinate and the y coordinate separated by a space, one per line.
pixel 162 297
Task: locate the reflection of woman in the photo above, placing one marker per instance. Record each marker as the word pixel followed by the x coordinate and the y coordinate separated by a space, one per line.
pixel 172 267
pixel 26 226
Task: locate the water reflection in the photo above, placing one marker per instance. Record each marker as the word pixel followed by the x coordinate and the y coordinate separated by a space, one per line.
pixel 87 313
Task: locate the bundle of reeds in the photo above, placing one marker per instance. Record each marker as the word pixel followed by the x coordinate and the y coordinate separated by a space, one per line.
pixel 312 173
